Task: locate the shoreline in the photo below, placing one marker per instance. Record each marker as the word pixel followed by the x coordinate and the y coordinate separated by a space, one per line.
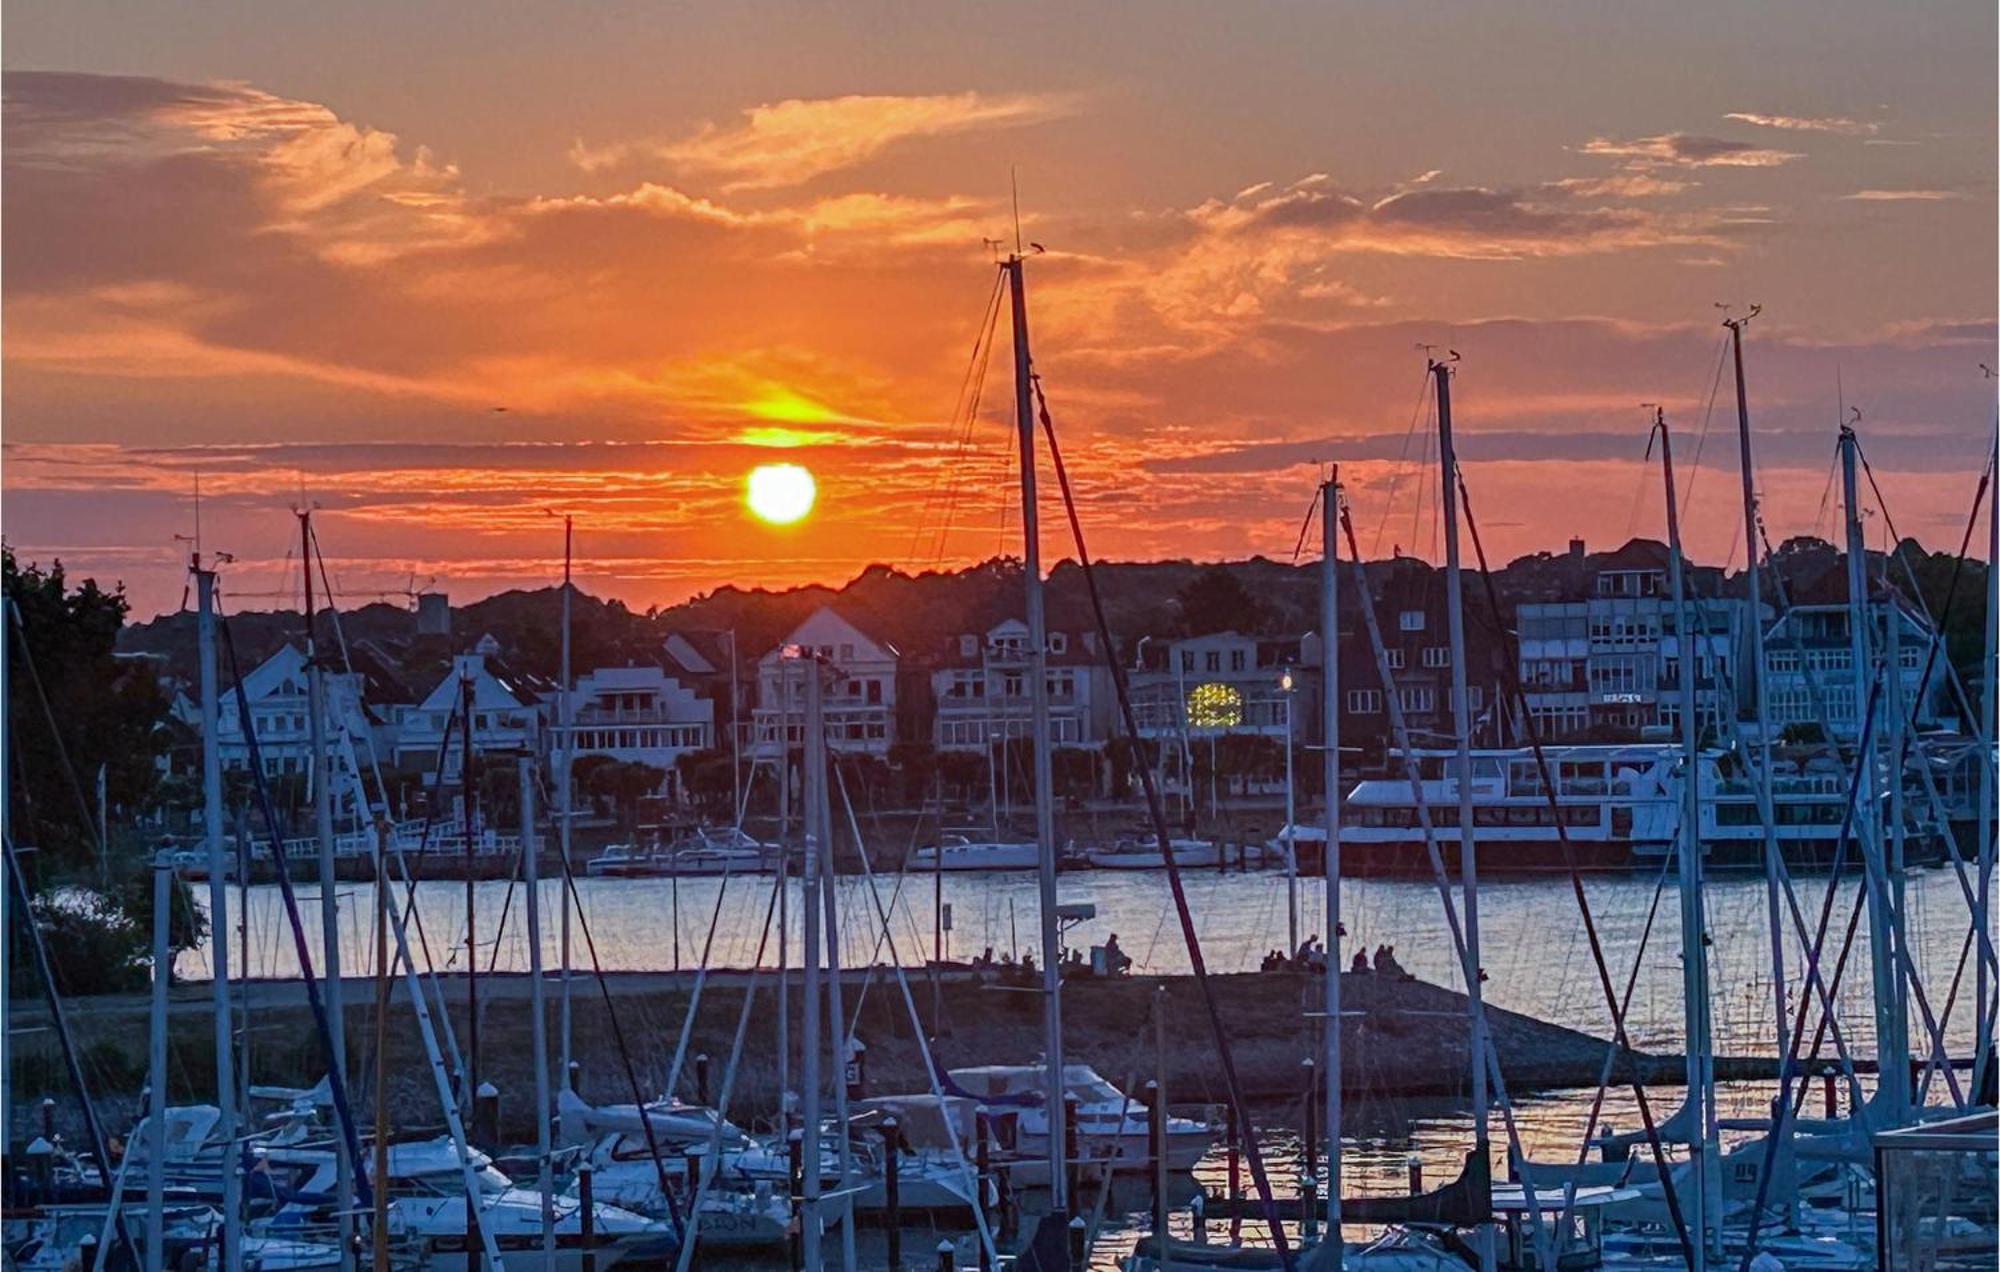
pixel 1401 1038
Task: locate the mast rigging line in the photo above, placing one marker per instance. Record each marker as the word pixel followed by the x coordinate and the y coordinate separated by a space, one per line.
pixel 1402 463
pixel 624 1055
pixel 1701 439
pixel 1986 476
pixel 1157 815
pixel 1781 1120
pixel 883 915
pixel 1480 1038
pixel 71 1061
pixel 698 1186
pixel 1547 778
pixel 1952 854
pixel 337 1084
pixel 965 409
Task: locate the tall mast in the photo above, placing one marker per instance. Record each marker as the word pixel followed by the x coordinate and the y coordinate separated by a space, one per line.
pixel 1461 714
pixel 329 884
pixel 1038 701
pixel 538 1039
pixel 156 1071
pixel 565 724
pixel 811 1222
pixel 218 919
pixel 1761 779
pixel 1704 1162
pixel 1891 1089
pixel 469 798
pixel 1329 661
pixel 1985 736
pixel 836 1014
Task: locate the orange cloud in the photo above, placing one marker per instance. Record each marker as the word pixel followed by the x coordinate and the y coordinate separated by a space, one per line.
pixel 790 142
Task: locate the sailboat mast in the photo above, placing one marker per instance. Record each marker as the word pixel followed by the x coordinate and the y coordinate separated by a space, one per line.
pixel 1038 700
pixel 329 885
pixel 836 1014
pixel 218 918
pixel 469 821
pixel 811 1221
pixel 538 1039
pixel 567 725
pixel 1891 1090
pixel 156 1071
pixel 1989 780
pixel 1760 677
pixel 1704 1161
pixel 1468 865
pixel 1329 661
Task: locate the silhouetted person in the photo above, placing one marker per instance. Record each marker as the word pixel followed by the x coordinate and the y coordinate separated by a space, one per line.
pixel 1116 961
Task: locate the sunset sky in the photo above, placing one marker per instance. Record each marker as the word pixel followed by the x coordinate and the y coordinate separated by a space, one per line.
pixel 440 268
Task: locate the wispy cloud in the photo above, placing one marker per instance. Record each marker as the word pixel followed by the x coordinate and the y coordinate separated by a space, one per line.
pixel 1689 150
pixel 1902 196
pixel 1807 123
pixel 1621 185
pixel 789 142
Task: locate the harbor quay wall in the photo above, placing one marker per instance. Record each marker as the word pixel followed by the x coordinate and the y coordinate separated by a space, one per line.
pixel 1401 1037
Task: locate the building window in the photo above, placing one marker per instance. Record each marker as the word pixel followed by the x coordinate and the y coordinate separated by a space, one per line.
pixel 1235 660
pixel 1417 699
pixel 1187 660
pixel 1058 643
pixel 1212 660
pixel 1395 659
pixel 1436 656
pixel 1364 701
pixel 1411 620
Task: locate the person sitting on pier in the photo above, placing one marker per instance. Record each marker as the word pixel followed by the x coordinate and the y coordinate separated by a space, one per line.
pixel 1274 960
pixel 1386 964
pixel 1116 961
pixel 1360 961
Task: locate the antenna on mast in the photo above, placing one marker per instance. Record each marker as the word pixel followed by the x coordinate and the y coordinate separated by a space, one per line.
pixel 1014 180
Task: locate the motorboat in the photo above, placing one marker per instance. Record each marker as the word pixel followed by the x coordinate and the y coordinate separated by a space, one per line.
pixel 1110 1125
pixel 726 850
pixel 957 852
pixel 628 861
pixel 427 1206
pixel 1144 854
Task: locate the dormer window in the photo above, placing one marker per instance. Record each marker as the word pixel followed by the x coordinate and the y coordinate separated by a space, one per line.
pixel 968 646
pixel 1058 642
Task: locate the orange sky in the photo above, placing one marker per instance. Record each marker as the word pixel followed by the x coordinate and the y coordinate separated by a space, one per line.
pixel 438 274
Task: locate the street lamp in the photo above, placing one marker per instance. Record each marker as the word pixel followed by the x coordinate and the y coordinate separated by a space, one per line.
pixel 1285 685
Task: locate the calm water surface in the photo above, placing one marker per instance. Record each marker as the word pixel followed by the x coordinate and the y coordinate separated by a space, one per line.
pixel 1535 952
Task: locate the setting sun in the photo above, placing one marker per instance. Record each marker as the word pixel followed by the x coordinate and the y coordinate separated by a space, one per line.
pixel 780 493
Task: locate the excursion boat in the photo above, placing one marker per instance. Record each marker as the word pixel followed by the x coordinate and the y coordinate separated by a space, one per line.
pixel 1619 807
pixel 956 852
pixel 1144 854
pixel 1110 1125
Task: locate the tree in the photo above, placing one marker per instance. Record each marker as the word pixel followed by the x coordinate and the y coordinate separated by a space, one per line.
pixel 708 777
pixel 917 762
pixel 624 783
pixel 99 710
pixel 1215 600
pixel 77 706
